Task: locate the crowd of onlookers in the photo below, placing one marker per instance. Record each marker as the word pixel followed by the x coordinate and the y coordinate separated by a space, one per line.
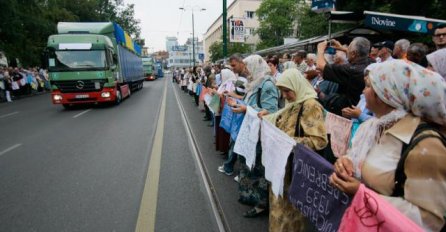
pixel 18 82
pixel 394 93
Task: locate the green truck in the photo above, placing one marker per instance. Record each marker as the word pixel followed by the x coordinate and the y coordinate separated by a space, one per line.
pixel 147 64
pixel 93 63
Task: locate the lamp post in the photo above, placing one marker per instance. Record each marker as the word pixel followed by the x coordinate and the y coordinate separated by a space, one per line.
pixel 193 29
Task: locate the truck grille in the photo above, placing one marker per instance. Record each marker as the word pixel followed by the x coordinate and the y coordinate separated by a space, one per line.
pixel 79 85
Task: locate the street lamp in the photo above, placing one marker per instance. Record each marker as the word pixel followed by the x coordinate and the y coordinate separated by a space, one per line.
pixel 193 28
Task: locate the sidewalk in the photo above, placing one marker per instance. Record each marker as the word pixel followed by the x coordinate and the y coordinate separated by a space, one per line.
pixel 225 186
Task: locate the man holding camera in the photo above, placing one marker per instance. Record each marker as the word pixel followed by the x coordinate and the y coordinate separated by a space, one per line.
pixel 350 77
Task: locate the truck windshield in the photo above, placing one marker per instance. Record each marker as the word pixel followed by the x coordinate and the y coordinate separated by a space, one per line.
pixel 78 60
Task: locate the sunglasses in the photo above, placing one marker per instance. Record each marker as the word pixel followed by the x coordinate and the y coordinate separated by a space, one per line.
pixel 440 35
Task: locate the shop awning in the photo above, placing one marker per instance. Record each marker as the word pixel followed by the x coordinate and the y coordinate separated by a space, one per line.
pixel 408 23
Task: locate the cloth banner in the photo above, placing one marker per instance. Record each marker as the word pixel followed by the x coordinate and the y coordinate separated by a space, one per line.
pixel 207 99
pixel 276 147
pixel 15 85
pixel 214 104
pixel 203 93
pixel 340 130
pixel 226 118
pixel 311 192
pixel 236 123
pixel 370 212
pixel 248 136
pixel 198 89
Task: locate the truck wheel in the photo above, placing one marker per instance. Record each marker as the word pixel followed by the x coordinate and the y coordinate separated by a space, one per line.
pixel 66 106
pixel 130 93
pixel 118 97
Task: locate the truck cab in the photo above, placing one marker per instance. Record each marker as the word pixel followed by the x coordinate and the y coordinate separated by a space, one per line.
pixel 87 64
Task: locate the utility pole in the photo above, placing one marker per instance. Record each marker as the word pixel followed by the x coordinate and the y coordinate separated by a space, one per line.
pixel 225 36
pixel 193 39
pixel 193 29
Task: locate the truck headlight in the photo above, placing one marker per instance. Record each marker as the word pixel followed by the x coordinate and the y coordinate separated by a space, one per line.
pixel 57 97
pixel 105 94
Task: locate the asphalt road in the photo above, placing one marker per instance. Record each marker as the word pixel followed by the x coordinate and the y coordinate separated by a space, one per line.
pixel 85 169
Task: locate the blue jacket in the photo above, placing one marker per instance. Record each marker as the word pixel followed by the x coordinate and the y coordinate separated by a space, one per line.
pixel 268 97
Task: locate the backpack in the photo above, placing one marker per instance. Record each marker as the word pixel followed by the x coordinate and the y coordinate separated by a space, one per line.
pixel 259 93
pixel 400 176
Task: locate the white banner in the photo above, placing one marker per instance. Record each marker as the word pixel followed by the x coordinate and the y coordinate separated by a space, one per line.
pixel 237 31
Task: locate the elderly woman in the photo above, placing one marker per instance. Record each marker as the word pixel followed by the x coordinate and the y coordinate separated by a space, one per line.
pixel 228 79
pixel 398 154
pixel 304 112
pixel 261 94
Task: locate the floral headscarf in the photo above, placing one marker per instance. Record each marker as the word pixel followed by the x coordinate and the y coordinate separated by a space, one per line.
pixel 407 87
pixel 438 61
pixel 258 69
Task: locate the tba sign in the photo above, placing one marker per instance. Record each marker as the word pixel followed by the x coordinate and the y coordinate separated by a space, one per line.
pixel 237 30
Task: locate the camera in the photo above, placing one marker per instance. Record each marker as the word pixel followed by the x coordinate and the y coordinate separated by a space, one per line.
pixel 330 50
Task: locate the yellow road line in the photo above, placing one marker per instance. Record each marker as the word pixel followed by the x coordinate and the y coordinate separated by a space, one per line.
pixel 147 210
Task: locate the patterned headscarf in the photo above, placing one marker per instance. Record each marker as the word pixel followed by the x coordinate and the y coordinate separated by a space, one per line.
pixel 438 61
pixel 258 69
pixel 408 86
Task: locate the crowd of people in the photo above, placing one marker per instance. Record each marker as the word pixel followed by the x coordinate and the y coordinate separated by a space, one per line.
pixel 394 94
pixel 17 82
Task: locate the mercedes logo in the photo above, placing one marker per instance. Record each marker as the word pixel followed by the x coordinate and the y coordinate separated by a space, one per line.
pixel 80 84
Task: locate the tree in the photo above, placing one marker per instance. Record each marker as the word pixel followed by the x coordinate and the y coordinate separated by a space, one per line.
pixel 26 24
pixel 216 49
pixel 276 19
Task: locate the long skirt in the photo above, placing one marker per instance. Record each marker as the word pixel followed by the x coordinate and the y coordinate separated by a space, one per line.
pixel 222 137
pixel 283 217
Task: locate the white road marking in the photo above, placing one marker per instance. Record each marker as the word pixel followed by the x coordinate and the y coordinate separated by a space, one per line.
pixel 10 149
pixel 6 115
pixel 77 115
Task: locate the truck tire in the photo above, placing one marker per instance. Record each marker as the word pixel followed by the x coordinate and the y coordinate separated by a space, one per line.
pixel 118 97
pixel 66 106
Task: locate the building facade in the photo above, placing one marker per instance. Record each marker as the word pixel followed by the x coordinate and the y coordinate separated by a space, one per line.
pixel 238 9
pixel 181 55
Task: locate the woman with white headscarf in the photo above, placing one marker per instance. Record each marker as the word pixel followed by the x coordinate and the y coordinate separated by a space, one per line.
pixel 262 95
pixel 302 111
pixel 228 79
pixel 401 154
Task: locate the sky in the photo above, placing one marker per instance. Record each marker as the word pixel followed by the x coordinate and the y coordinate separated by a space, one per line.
pixel 162 18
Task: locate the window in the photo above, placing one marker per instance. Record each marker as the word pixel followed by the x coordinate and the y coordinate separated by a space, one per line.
pixel 249 14
pixel 247 31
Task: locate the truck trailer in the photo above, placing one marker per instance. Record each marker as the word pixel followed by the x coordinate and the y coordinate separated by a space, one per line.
pixel 93 63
